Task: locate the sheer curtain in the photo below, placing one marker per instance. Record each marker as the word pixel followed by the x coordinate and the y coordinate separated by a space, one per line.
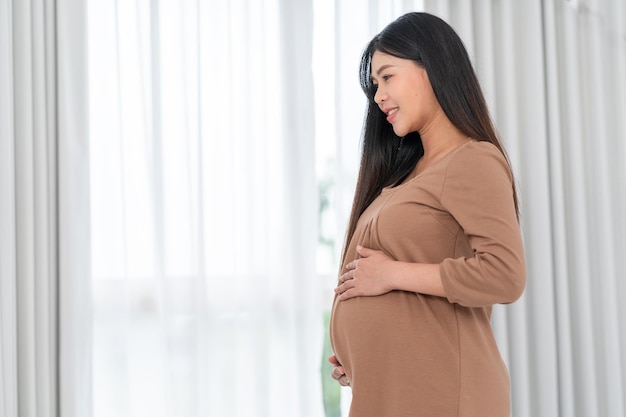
pixel 44 222
pixel 204 203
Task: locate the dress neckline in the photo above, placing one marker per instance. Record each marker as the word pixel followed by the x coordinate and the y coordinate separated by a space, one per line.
pixel 434 165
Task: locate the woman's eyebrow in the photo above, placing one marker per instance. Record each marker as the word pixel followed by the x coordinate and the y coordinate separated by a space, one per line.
pixel 384 67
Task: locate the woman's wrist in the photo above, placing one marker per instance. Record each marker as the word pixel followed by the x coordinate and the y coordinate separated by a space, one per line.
pixel 417 277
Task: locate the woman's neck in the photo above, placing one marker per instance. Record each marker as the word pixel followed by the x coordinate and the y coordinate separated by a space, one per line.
pixel 440 137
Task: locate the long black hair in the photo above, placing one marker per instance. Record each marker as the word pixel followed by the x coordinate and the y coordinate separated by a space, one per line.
pixel 387 159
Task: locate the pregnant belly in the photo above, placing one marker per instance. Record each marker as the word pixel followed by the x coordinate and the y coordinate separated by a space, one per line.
pixel 398 348
pixel 408 327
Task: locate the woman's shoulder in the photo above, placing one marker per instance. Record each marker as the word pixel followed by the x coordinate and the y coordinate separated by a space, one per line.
pixel 481 146
pixel 478 155
pixel 478 171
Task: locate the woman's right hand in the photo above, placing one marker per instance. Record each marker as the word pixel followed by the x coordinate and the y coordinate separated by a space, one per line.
pixel 338 372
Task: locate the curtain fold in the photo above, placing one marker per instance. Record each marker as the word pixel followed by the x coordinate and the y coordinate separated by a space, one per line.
pixel 586 111
pixel 31 239
pixel 8 330
pixel 28 255
pixel 74 328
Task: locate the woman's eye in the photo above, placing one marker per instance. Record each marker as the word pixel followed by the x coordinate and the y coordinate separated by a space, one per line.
pixel 386 77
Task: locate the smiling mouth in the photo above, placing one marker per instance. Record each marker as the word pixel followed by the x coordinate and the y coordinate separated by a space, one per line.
pixel 391 114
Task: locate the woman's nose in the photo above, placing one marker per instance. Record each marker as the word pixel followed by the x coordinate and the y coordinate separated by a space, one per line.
pixel 379 96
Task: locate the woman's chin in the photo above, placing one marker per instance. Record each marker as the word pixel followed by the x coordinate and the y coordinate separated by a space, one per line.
pixel 400 132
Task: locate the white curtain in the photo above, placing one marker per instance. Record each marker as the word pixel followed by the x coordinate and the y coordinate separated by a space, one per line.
pixel 586 103
pixel 44 223
pixel 204 202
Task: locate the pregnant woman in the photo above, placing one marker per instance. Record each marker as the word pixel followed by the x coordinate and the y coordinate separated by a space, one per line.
pixel 433 239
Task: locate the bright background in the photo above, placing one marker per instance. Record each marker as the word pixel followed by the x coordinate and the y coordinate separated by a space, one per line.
pixel 175 178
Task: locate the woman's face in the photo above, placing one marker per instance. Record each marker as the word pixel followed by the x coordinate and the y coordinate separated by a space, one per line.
pixel 403 93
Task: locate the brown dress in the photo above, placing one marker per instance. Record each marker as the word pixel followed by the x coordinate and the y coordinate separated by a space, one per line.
pixel 414 355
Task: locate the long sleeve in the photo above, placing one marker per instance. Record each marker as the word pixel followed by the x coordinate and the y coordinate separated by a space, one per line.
pixel 477 192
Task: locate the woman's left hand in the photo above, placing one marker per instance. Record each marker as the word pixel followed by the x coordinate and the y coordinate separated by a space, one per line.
pixel 366 276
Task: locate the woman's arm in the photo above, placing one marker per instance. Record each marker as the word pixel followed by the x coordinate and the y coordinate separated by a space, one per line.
pixel 375 273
